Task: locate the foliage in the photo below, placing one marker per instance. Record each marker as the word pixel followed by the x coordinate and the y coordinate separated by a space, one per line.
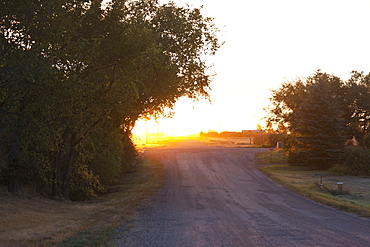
pixel 366 141
pixel 356 162
pixel 319 125
pixel 359 85
pixel 76 75
pixel 353 94
pixel 275 137
pixel 313 112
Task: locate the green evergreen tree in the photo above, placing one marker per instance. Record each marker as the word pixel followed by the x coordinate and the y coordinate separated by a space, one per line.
pixel 319 127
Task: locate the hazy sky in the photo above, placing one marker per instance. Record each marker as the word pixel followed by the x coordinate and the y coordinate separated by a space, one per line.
pixel 267 43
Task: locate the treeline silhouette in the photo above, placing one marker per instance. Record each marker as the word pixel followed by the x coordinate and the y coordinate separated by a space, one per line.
pixel 318 117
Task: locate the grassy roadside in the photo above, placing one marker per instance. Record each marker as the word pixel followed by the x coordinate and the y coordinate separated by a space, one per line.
pixel 354 197
pixel 33 221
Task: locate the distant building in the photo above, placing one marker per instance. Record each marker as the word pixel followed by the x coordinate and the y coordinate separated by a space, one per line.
pixel 253 131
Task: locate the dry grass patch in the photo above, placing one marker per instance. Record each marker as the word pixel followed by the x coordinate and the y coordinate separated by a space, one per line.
pixel 354 197
pixel 272 156
pixel 35 221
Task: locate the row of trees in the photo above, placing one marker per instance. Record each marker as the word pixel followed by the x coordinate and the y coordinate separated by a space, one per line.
pixel 316 116
pixel 75 75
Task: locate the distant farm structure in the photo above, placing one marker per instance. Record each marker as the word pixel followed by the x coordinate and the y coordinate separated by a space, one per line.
pixel 247 137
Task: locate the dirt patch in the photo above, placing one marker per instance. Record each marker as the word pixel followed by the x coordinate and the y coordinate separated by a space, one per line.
pixel 27 220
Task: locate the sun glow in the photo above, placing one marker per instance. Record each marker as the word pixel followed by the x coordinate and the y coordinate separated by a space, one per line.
pixel 266 44
pixel 191 118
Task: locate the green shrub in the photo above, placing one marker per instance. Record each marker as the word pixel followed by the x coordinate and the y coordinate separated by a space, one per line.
pixel 297 158
pixel 366 141
pixel 287 140
pixel 356 162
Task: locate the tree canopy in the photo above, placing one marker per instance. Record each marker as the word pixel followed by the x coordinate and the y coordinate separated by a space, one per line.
pixel 320 113
pixel 75 75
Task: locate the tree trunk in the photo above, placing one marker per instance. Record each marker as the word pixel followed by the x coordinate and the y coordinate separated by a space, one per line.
pixel 67 175
pixel 57 177
pixel 13 166
pixel 57 173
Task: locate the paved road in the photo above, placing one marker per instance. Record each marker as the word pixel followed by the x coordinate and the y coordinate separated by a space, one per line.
pixel 214 196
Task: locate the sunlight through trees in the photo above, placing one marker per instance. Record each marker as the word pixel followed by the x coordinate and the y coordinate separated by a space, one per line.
pixel 74 78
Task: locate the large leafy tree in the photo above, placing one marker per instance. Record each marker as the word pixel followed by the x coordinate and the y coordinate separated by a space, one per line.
pixel 284 101
pixel 72 72
pixel 359 85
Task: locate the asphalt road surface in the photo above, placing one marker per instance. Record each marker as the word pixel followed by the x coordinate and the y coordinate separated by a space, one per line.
pixel 215 196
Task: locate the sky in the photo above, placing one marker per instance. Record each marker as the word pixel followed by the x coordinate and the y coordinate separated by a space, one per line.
pixel 267 43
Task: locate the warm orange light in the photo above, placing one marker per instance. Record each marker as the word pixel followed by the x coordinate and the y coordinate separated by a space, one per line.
pixel 248 68
pixel 191 118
